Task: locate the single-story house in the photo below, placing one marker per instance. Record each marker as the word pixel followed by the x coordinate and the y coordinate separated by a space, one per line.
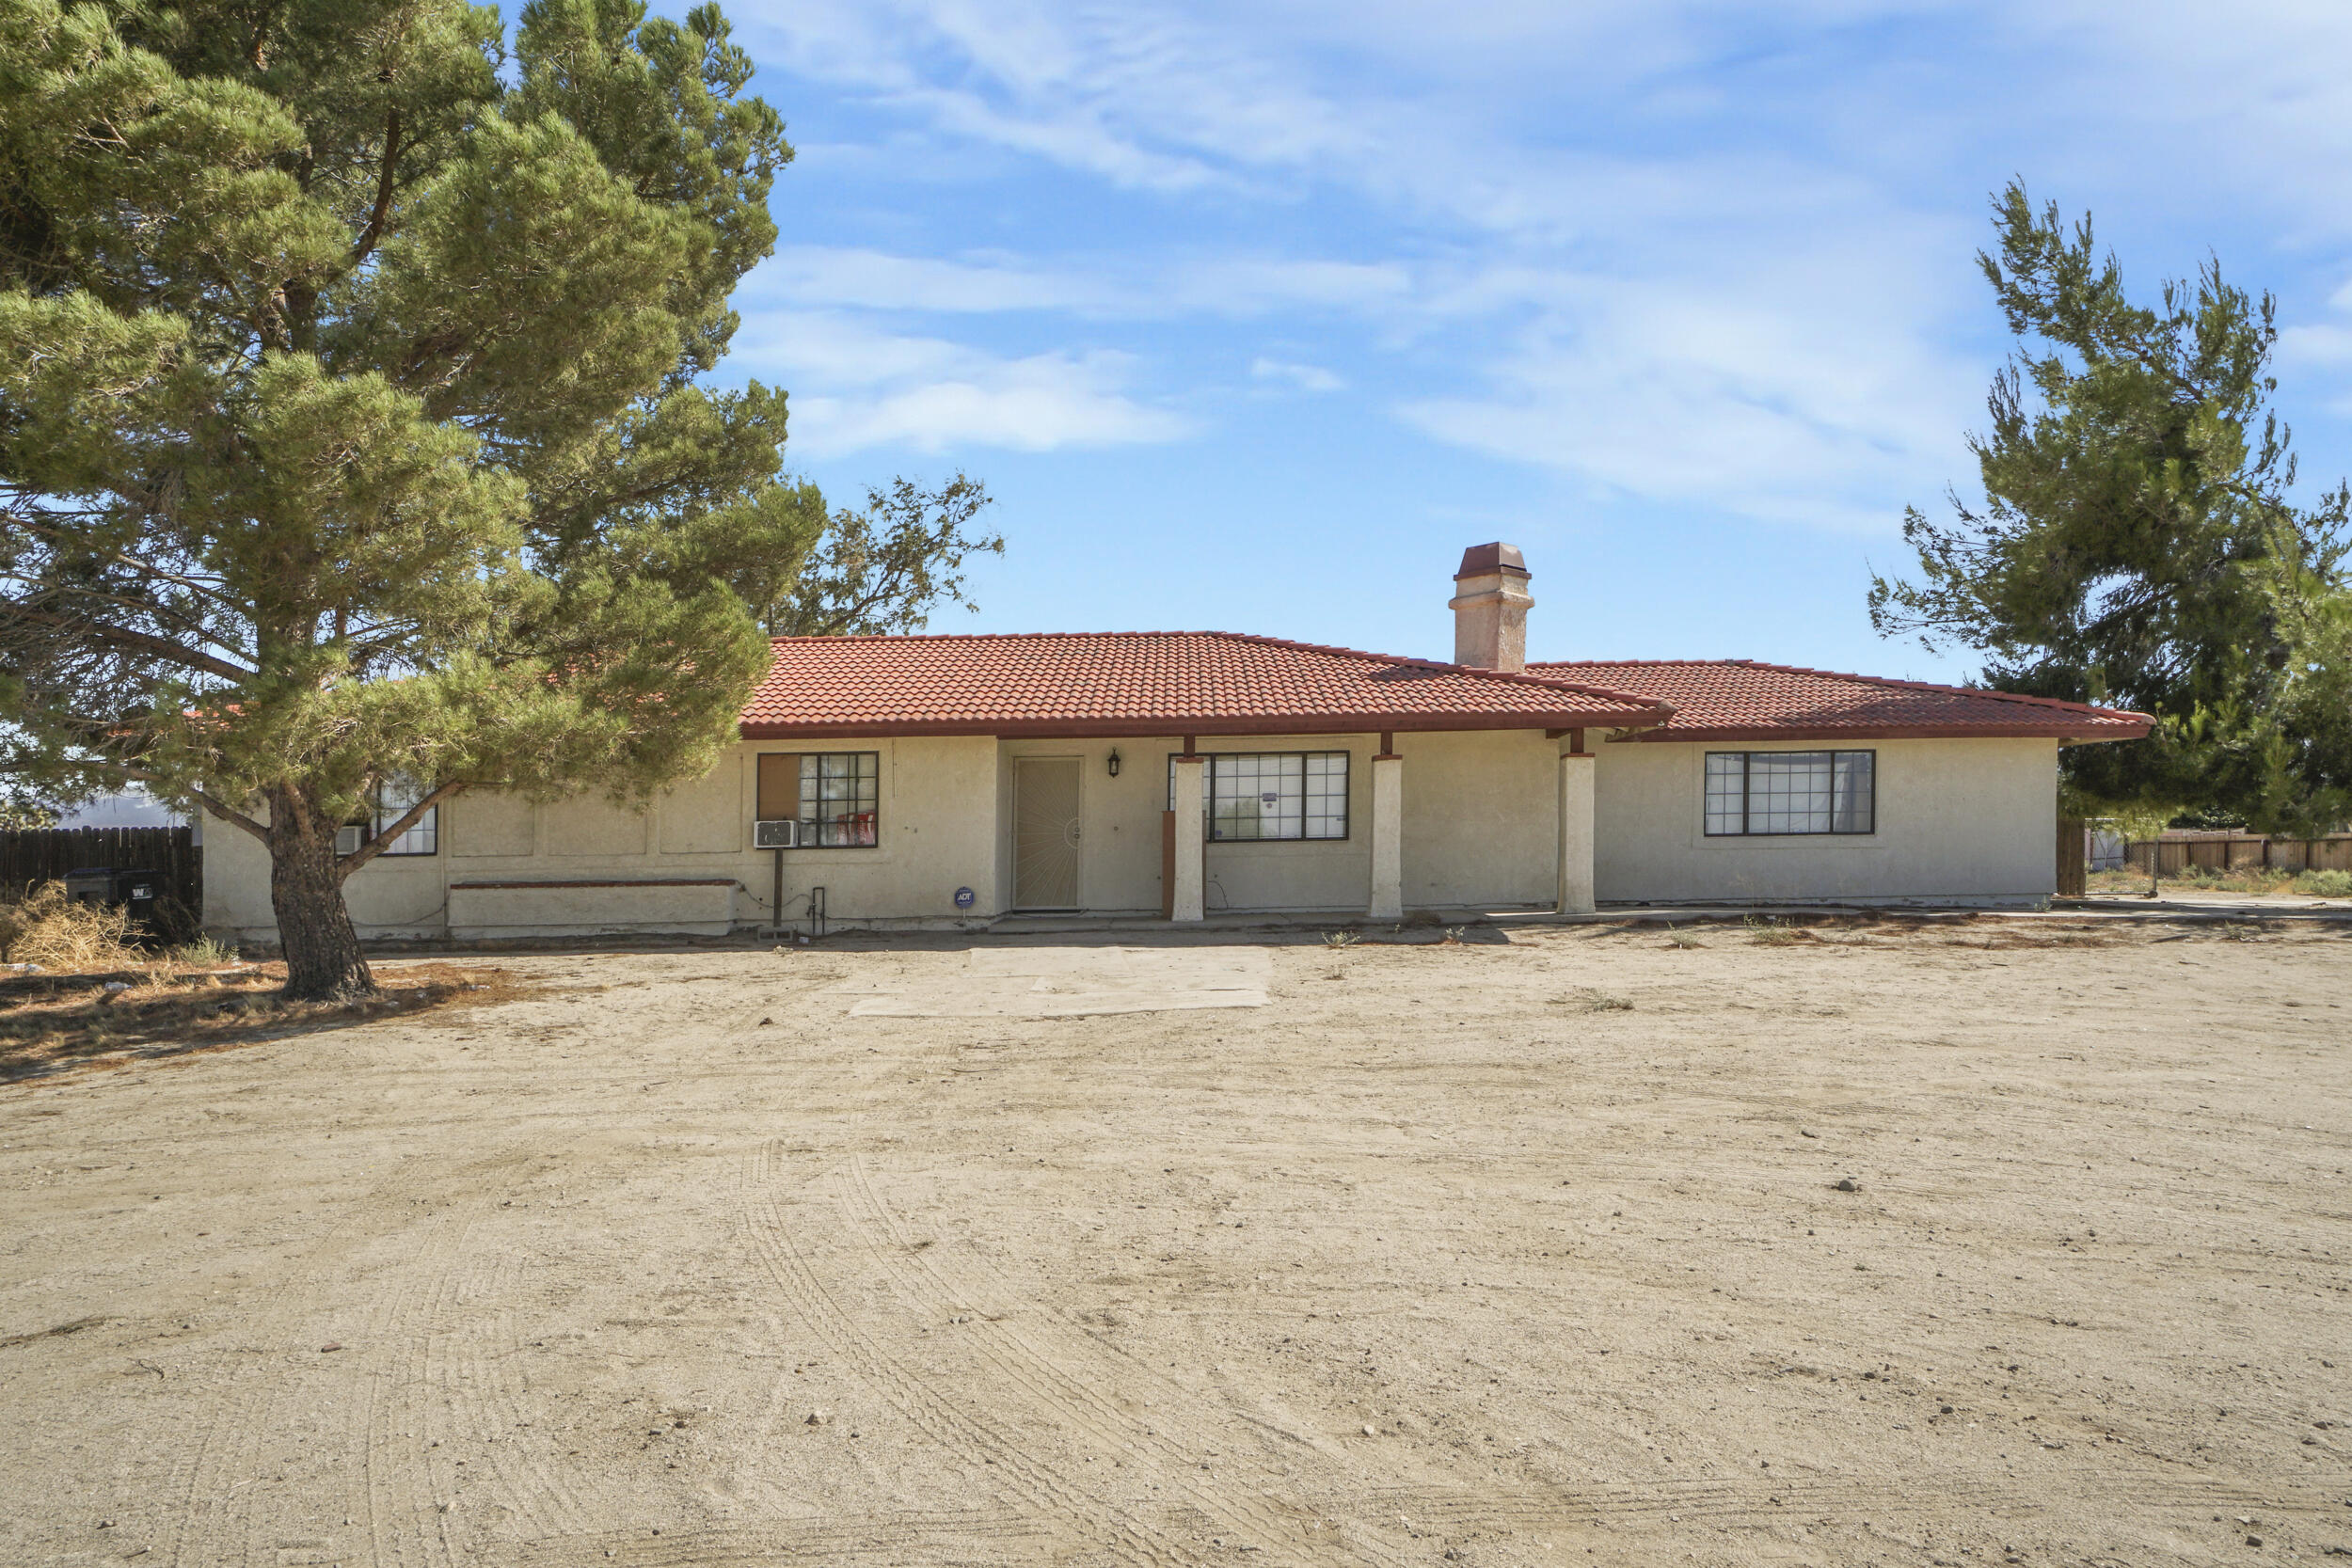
pixel 948 780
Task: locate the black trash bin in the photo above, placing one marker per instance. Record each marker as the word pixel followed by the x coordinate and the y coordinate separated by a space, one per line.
pixel 102 884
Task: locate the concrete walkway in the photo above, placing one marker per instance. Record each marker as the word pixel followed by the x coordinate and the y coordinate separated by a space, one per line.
pixel 2170 906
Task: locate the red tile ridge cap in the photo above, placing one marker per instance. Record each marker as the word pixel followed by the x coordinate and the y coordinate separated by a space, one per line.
pixel 2059 703
pixel 1657 705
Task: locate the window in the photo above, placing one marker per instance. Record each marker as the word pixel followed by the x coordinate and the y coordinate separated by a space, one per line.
pixel 394 799
pixel 1791 792
pixel 835 795
pixel 1271 795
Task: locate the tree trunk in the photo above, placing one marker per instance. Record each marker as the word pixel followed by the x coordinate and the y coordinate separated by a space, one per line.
pixel 305 890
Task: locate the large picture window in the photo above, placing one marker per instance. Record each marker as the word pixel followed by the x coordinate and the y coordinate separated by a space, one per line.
pixel 837 794
pixel 1755 793
pixel 1255 795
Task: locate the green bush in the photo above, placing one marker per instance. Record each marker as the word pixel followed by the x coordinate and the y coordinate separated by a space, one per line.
pixel 2325 884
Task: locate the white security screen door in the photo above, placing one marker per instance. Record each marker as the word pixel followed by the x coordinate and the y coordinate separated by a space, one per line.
pixel 1045 833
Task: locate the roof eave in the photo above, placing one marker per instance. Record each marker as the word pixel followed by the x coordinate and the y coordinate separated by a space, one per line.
pixel 2071 734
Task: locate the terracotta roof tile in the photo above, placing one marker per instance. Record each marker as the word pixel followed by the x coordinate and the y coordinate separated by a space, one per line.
pixel 1742 700
pixel 1149 682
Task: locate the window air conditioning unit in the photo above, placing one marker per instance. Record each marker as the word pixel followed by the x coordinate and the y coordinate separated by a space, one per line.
pixel 776 833
pixel 348 838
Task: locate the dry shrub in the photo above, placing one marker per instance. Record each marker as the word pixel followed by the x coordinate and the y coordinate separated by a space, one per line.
pixel 46 927
pixel 2038 938
pixel 1766 930
pixel 2244 879
pixel 52 1021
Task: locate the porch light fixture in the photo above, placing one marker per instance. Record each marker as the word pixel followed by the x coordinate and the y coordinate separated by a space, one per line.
pixel 1114 762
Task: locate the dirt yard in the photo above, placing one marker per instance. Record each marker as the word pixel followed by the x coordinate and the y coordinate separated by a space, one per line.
pixel 2001 1241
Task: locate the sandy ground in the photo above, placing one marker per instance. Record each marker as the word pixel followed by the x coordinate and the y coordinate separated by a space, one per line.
pixel 1524 1250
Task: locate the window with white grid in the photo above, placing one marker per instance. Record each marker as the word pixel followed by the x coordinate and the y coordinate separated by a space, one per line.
pixel 1273 794
pixel 1326 795
pixel 1752 793
pixel 840 791
pixel 394 799
pixel 1727 792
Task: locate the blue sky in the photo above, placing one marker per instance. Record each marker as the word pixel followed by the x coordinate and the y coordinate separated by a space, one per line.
pixel 1253 315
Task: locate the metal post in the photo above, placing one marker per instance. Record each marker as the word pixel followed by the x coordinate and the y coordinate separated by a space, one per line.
pixel 775 908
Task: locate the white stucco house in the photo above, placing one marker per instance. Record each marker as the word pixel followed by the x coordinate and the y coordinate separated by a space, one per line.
pixel 949 780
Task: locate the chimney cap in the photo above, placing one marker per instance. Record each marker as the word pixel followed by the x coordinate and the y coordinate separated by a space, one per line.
pixel 1485 560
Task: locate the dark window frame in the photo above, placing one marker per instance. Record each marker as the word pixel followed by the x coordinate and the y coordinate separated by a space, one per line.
pixel 378 816
pixel 1747 808
pixel 1208 794
pixel 808 811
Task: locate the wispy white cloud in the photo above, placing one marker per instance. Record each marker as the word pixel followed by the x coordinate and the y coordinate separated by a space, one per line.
pixel 1687 251
pixel 839 276
pixel 832 278
pixel 2317 344
pixel 1307 378
pixel 873 387
pixel 1738 406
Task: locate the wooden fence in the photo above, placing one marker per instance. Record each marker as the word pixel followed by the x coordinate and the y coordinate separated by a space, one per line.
pixel 2178 851
pixel 2073 846
pixel 35 855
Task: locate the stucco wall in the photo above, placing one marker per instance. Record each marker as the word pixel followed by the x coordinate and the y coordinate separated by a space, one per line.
pixel 1119 830
pixel 1482 819
pixel 1479 825
pixel 937 820
pixel 400 896
pixel 1956 821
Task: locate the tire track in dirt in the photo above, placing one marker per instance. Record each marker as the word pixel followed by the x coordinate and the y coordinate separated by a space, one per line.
pixel 411 1528
pixel 970 1435
pixel 398 1500
pixel 1170 1445
pixel 1861 1500
pixel 967 1538
pixel 487 1404
pixel 217 1521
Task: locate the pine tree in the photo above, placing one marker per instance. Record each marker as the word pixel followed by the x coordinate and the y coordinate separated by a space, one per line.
pixel 351 429
pixel 2140 544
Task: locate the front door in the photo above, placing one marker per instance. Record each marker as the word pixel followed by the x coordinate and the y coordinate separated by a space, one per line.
pixel 1045 833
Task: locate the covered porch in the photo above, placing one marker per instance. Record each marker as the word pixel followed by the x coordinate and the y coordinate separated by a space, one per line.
pixel 1351 825
pixel 1197 817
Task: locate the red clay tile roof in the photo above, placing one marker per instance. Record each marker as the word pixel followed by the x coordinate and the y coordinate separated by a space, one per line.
pixel 1149 682
pixel 1739 699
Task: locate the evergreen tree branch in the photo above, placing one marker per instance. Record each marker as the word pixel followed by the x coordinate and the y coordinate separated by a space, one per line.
pixel 121 639
pixel 365 245
pixel 383 839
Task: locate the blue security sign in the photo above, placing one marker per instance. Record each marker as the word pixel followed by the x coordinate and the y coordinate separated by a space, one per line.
pixel 964 897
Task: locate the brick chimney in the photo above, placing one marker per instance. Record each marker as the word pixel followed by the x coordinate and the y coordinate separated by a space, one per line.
pixel 1489 605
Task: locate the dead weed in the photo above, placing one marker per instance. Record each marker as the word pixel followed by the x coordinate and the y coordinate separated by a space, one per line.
pixel 49 1023
pixel 1766 930
pixel 49 931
